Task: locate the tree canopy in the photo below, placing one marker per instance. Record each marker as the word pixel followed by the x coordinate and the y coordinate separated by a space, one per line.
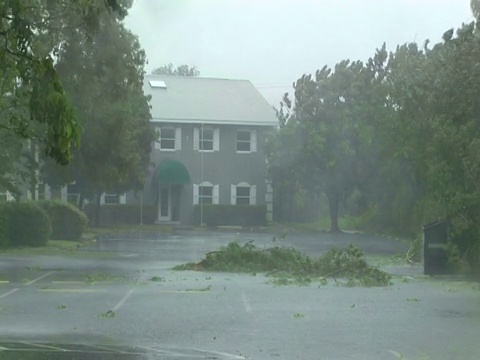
pixel 181 70
pixel 394 139
pixel 33 103
pixel 103 77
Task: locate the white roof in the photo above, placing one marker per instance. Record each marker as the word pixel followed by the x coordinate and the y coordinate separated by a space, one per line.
pixel 186 99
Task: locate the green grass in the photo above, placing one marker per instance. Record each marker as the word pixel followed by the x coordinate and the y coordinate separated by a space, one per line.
pixel 128 229
pixel 290 266
pixel 56 247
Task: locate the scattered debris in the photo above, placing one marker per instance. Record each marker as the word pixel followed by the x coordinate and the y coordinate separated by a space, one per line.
pixel 298 316
pixel 108 314
pixel 289 266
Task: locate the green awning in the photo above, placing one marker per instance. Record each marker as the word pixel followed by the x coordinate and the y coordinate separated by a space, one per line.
pixel 171 172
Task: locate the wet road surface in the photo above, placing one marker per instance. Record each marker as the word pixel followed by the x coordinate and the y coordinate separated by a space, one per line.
pixel 131 297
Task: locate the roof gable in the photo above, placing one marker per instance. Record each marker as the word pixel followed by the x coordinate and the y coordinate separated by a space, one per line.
pixel 206 100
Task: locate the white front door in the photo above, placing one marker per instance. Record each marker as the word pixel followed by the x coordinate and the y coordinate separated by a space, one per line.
pixel 164 204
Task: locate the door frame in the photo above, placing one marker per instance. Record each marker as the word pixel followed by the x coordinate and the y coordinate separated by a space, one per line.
pixel 169 199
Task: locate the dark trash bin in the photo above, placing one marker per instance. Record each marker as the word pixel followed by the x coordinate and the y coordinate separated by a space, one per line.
pixel 435 238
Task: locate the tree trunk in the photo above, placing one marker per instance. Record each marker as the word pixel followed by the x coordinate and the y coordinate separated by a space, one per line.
pixel 333 201
pixel 98 208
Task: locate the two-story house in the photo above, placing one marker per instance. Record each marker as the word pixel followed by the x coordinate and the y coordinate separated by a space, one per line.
pixel 210 148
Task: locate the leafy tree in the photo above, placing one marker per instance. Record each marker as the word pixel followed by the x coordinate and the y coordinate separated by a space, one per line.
pixel 181 70
pixel 104 80
pixel 330 108
pixel 475 6
pixel 33 102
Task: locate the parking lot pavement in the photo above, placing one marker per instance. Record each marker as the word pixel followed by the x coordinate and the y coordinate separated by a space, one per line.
pixel 137 300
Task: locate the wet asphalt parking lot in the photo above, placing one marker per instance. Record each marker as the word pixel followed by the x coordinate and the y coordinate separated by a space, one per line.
pixel 122 291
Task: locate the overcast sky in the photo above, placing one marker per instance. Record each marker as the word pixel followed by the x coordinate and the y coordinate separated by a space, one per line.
pixel 273 42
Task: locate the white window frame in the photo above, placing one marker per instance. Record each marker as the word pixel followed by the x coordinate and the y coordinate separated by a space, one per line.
pixel 122 199
pixel 177 139
pixel 252 141
pixel 252 198
pixel 197 139
pixel 7 196
pixel 215 193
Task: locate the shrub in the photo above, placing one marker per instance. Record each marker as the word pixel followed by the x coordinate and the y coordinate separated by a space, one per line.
pixel 3 226
pixel 240 215
pixel 68 222
pixel 121 214
pixel 28 224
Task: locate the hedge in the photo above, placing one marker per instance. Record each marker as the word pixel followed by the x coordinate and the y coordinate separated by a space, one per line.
pixel 121 214
pixel 68 222
pixel 239 215
pixel 28 224
pixel 4 218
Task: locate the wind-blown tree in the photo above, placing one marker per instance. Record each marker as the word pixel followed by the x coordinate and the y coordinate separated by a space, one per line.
pixel 104 80
pixel 328 112
pixel 33 102
pixel 181 70
pixel 439 112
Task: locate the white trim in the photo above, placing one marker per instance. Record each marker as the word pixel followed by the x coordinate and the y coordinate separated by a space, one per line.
pixel 215 122
pixel 196 139
pixel 253 195
pixel 250 141
pixel 216 139
pixel 233 195
pixel 169 216
pixel 157 139
pixel 253 140
pixel 176 134
pixel 216 195
pixel 195 194
pixel 178 138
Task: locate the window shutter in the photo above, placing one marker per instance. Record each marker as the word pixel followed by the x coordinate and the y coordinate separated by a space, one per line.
pixel 216 140
pixel 178 138
pixel 253 141
pixel 122 198
pixel 157 139
pixel 233 195
pixel 253 195
pixel 102 199
pixel 216 194
pixel 196 139
pixel 195 194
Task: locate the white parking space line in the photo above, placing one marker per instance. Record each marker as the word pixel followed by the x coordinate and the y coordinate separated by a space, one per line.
pixel 9 293
pixel 246 303
pixel 122 301
pixel 39 278
pixel 73 290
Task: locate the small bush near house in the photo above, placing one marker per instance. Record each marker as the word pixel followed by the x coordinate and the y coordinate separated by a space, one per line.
pixel 239 215
pixel 3 226
pixel 121 214
pixel 28 224
pixel 68 222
